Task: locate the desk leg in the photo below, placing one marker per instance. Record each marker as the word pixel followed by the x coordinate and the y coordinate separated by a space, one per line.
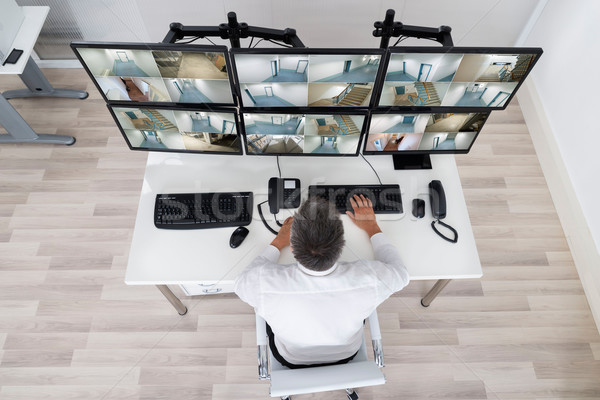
pixel 38 85
pixel 175 302
pixel 435 290
pixel 20 132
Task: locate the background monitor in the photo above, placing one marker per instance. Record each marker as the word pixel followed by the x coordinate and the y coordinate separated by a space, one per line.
pixel 455 77
pixel 181 130
pixel 303 134
pixel 270 78
pixel 158 73
pixel 423 133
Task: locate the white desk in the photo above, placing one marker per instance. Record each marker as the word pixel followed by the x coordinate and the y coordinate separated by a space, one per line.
pixel 203 256
pixel 37 84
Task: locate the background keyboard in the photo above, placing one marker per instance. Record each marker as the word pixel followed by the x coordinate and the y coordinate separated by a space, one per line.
pixel 386 199
pixel 202 210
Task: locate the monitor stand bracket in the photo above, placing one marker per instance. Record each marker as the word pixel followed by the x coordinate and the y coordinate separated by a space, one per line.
pixel 233 31
pixel 389 28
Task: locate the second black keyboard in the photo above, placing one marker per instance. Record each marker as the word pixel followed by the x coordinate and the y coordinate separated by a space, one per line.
pixel 202 210
pixel 386 199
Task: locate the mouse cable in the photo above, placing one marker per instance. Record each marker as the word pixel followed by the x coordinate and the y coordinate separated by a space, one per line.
pixel 262 218
pixel 367 161
pixel 440 233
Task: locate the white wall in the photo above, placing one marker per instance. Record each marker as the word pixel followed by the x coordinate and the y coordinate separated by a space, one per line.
pixel 135 137
pixel 472 66
pixel 253 68
pixel 565 132
pixel 381 123
pixel 219 91
pixel 290 62
pixel 322 67
pixel 318 91
pixel 446 66
pixel 172 140
pixel 113 87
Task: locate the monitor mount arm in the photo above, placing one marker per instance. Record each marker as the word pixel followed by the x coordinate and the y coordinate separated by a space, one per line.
pixel 389 28
pixel 233 31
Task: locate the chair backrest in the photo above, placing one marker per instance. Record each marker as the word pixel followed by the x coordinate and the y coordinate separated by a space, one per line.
pixel 359 372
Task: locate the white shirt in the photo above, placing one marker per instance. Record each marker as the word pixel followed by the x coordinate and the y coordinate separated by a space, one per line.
pixel 317 317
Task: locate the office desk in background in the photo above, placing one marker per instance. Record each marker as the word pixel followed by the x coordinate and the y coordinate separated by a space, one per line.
pixel 203 263
pixel 37 84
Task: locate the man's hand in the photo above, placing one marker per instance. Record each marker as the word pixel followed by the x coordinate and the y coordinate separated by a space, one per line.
pixel 363 216
pixel 282 239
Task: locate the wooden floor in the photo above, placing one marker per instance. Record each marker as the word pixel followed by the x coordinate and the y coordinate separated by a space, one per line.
pixel 71 329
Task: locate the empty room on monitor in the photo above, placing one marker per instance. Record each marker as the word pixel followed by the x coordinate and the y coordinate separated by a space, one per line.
pixel 478 94
pixel 185 90
pixel 455 122
pixel 134 89
pixel 351 68
pixel 333 125
pixel 125 63
pixel 275 144
pixel 493 67
pixel 447 140
pixel 254 68
pixel 191 65
pixel 397 123
pixel 154 140
pixel 331 144
pixel 273 94
pixel 274 124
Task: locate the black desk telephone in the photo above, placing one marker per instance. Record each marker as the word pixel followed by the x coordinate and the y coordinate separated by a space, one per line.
pixel 437 199
pixel 283 193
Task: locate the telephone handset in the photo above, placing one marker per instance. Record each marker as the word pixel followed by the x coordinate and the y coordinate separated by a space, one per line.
pixel 437 199
pixel 283 193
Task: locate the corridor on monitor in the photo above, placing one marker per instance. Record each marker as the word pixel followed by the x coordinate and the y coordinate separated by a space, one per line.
pixel 303 134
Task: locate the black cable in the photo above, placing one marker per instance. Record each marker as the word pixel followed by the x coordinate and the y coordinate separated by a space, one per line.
pixel 446 226
pixel 400 39
pixel 262 218
pixel 258 42
pixel 279 44
pixel 251 40
pixel 189 41
pixel 379 179
pixel 278 168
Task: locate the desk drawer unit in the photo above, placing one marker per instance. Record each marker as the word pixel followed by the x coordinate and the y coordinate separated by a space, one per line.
pixel 201 289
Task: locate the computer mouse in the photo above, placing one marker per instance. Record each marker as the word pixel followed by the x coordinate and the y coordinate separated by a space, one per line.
pixel 238 236
pixel 418 208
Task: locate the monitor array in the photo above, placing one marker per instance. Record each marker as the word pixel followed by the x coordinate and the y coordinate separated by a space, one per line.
pixel 318 102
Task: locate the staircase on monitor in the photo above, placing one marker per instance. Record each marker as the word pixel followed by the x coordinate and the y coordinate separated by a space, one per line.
pixel 356 96
pixel 426 95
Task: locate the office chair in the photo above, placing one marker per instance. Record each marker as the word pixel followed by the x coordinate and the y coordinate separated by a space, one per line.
pixel 359 372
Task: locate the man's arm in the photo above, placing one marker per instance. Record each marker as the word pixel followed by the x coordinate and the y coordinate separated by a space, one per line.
pixel 393 274
pixel 247 284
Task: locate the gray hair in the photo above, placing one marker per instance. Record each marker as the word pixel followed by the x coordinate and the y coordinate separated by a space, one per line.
pixel 317 234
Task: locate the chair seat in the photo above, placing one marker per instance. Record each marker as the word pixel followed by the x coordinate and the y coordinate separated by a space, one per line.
pixel 320 379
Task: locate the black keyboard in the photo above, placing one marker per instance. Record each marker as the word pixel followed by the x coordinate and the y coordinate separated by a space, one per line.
pixel 202 210
pixel 386 199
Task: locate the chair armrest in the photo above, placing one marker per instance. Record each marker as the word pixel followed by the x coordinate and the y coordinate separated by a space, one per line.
pixel 376 339
pixel 263 349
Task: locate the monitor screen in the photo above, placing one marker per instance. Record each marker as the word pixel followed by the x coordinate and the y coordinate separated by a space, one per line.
pixel 455 77
pixel 303 134
pixel 178 129
pixel 424 133
pixel 306 77
pixel 158 73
